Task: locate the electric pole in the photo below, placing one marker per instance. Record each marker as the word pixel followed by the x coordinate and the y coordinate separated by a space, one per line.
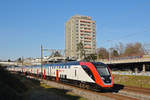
pixel 41 62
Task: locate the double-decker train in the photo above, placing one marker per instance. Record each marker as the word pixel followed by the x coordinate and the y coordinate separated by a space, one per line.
pixel 85 74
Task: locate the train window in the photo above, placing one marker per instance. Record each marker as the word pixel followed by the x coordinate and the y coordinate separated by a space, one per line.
pixel 84 67
pixel 102 69
pixel 65 76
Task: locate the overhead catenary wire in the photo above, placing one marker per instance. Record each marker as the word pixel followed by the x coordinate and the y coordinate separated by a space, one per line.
pixel 125 37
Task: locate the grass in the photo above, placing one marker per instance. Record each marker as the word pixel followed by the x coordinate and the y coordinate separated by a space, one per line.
pixel 16 87
pixel 62 92
pixel 11 86
pixel 131 80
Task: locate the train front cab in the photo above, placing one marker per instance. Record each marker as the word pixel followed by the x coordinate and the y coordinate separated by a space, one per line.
pixel 100 73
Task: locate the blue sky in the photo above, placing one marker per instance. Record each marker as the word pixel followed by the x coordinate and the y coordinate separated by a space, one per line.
pixel 26 24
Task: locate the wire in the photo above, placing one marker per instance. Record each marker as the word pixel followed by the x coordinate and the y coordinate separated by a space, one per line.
pixel 126 36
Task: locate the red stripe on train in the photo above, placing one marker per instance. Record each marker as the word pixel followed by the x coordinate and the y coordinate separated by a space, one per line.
pixel 97 77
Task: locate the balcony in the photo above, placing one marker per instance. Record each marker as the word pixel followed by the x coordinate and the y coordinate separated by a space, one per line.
pixel 86 31
pixel 87 47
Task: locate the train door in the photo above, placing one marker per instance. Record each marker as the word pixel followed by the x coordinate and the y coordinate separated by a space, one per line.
pixel 44 73
pixel 49 71
pixel 75 73
pixel 57 75
pixel 37 71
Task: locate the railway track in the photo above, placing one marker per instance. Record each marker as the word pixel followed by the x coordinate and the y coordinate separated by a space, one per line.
pixel 140 93
pixel 121 93
pixel 118 96
pixel 137 89
pixel 109 94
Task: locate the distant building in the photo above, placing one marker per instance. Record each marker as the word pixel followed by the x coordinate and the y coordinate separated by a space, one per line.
pixel 80 29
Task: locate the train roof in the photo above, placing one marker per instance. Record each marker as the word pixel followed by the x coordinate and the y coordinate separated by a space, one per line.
pixel 74 63
pixel 67 64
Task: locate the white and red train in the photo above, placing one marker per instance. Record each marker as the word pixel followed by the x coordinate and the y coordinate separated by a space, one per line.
pixel 94 74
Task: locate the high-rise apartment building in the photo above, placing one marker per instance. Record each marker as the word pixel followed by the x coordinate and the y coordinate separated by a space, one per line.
pixel 80 29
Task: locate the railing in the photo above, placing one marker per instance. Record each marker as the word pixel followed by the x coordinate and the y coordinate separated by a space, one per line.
pixel 132 73
pixel 126 59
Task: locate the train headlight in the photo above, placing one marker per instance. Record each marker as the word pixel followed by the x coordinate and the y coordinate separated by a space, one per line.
pixel 110 78
pixel 102 78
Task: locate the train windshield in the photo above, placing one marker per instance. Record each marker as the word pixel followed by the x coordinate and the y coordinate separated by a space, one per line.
pixel 102 69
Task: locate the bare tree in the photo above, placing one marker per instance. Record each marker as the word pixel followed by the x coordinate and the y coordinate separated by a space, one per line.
pixel 114 53
pixel 103 53
pixel 120 48
pixel 56 54
pixel 146 48
pixel 134 49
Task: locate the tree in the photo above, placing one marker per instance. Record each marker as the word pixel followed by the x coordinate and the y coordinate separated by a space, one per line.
pixel 80 49
pixel 91 57
pixel 103 53
pixel 134 49
pixel 146 48
pixel 114 53
pixel 120 49
pixel 19 60
pixel 9 60
pixel 56 54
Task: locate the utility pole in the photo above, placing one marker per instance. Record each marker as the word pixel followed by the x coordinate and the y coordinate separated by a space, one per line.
pixel 41 62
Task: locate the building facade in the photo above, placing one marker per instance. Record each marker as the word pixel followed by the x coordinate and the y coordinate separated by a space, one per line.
pixel 80 29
